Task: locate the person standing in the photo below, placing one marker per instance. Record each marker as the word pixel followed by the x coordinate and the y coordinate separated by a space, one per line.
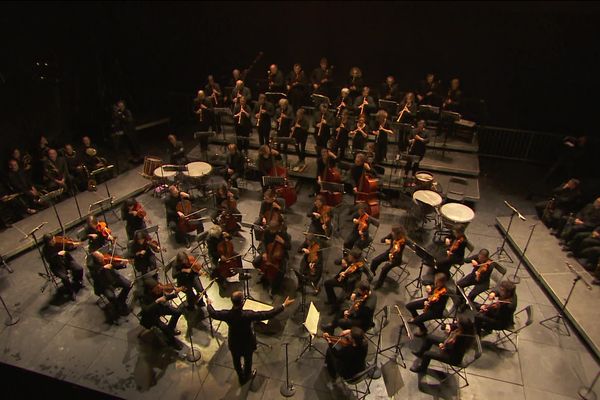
pixel 123 125
pixel 241 336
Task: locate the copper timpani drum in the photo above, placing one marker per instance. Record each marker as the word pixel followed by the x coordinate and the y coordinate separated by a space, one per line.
pixel 455 215
pixel 161 173
pixel 150 164
pixel 424 180
pixel 197 169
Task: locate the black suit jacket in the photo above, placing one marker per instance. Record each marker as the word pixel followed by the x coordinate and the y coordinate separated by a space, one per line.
pixel 241 335
pixel 364 314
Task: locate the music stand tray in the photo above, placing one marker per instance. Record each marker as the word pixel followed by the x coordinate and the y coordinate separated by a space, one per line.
pixel 311 325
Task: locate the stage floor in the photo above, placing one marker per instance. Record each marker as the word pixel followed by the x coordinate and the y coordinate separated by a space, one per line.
pixel 70 340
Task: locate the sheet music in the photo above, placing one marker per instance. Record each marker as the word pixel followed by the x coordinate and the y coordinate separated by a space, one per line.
pixel 312 319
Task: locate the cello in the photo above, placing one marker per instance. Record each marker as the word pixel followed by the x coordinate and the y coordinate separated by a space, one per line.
pixel 185 223
pixel 229 218
pixel 272 260
pixel 228 259
pixel 331 175
pixel 367 193
pixel 285 191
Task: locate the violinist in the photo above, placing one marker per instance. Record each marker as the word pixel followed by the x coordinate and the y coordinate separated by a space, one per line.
pixel 455 254
pixel 360 313
pixel 392 256
pixel 417 145
pixel 349 275
pixel 346 355
pixel 498 310
pixel 272 261
pixel 155 304
pixel 341 135
pixel 176 218
pixel 343 102
pixel 284 116
pixel 323 121
pixel 326 160
pixel 243 123
pixel 359 236
pixel 235 165
pixel 143 250
pixel 241 336
pixel 364 104
pixel 263 112
pixel 299 132
pixel 382 134
pixel 227 215
pixel 311 265
pixel 57 253
pixel 176 151
pixel 433 305
pixel 106 280
pixel 429 91
pixel 134 215
pixel 320 218
pixel 186 274
pixel 360 134
pixel 480 276
pixel 449 350
pixel 276 81
pixel 297 85
pixel 96 233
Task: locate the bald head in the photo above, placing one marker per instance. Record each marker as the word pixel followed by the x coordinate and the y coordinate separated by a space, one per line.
pixel 237 298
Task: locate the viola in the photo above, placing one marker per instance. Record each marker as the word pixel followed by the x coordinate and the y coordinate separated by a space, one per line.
pixel 115 260
pixel 228 259
pixel 435 297
pixel 65 242
pixel 456 244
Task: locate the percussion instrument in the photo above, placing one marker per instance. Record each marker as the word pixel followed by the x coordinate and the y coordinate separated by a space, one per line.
pixel 161 173
pixel 428 197
pixel 424 180
pixel 150 165
pixel 197 169
pixel 455 214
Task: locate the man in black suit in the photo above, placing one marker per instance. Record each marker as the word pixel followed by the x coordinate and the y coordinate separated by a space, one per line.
pixel 241 337
pixel 360 313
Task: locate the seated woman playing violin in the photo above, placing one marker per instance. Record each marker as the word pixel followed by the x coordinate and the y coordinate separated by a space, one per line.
pixel 433 305
pixel 392 257
pixel 274 254
pixel 360 313
pixel 134 215
pixel 56 251
pixel 359 236
pixel 320 218
pixel 155 303
pixel 178 207
pixel 97 233
pixel 449 350
pixel 347 354
pixel 311 265
pixel 187 271
pixel 106 280
pixel 143 251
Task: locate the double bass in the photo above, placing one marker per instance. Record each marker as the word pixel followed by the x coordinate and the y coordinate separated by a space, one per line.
pixel 229 260
pixel 367 193
pixel 272 260
pixel 331 175
pixel 284 191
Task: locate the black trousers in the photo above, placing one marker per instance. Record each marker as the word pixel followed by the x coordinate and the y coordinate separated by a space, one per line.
pixel 130 229
pixel 243 144
pixel 387 267
pixel 412 166
pixel 61 271
pixel 110 292
pixel 354 239
pixel 420 319
pixel 245 370
pixel 193 283
pixel 430 351
pixel 264 131
pixel 478 287
pixel 301 146
pixel 347 284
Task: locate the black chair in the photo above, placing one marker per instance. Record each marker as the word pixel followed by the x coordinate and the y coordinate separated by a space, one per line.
pixel 498 275
pixel 512 334
pixel 460 369
pixel 365 377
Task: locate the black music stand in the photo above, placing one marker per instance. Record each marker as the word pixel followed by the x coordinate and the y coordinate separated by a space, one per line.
pixel 245 277
pixel 207 135
pixel 102 170
pixel 426 259
pixel 47 275
pixel 317 99
pixel 49 197
pixel 390 106
pixel 104 205
pixel 253 250
pixel 501 251
pixel 397 347
pixel 274 97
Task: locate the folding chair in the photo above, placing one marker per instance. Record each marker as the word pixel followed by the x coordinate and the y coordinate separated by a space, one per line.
pixel 400 271
pixel 460 369
pixel 512 334
pixel 362 377
pixel 377 326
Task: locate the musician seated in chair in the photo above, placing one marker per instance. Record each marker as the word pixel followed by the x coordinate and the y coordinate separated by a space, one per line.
pixel 433 305
pixel 91 157
pixel 584 221
pixel 359 236
pixel 360 313
pixel 56 173
pixel 19 182
pixel 227 214
pixel 565 200
pixel 61 263
pixel 311 265
pixel 480 276
pixel 177 221
pixel 96 233
pixel 449 350
pixel 498 310
pixel 75 167
pixel 346 355
pixel 320 218
pixel 143 251
pixel 176 151
pixel 234 165
pixel 392 256
pixel 155 303
pixel 270 257
pixel 359 169
pixel 326 161
pixel 454 255
pixel 350 273
pixel 106 280
pixel 269 204
pixel 134 215
pixel 185 273
pixel 266 161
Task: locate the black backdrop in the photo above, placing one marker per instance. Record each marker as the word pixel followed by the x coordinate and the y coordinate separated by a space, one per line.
pixel 534 64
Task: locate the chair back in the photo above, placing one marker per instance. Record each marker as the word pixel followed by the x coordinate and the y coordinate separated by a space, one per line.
pixel 473 353
pixel 528 321
pixel 361 376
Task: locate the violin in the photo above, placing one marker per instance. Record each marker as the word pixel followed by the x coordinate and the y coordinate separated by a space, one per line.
pixel 342 341
pixel 65 242
pixel 397 247
pixel 104 230
pixel 163 289
pixel 185 224
pixel 451 339
pixel 325 218
pixel 358 302
pixel 350 270
pixel 228 259
pixel 115 260
pixel 482 269
pixel 435 297
pixel 363 225
pixel 455 245
pixel 139 211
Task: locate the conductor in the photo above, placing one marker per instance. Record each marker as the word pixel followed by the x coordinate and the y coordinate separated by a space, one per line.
pixel 241 337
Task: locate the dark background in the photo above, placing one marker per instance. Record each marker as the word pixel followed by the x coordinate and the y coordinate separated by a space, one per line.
pixel 534 64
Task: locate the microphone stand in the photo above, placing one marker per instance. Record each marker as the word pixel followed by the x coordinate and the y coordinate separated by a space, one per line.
pixel 49 277
pixel 50 197
pixel 515 278
pixel 503 255
pixel 287 388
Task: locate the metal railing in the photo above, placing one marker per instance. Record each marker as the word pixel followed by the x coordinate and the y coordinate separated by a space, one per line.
pixel 517 144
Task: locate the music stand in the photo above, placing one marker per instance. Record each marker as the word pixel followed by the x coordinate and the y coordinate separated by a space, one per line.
pixel 100 204
pixel 244 276
pixel 12 319
pixel 500 251
pixel 311 325
pixel 273 180
pixel 49 197
pixel 202 135
pixel 47 275
pixel 285 142
pixel 4 264
pixel 426 259
pixel 317 99
pixel 469 303
pixel 274 97
pixel 398 346
pixel 253 249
